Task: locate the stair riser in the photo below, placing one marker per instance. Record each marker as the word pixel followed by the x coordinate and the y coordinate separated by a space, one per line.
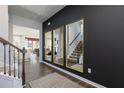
pixel 73 61
pixel 73 57
pixel 75 54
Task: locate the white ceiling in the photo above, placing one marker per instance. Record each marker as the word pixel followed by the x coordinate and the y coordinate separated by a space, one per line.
pixel 35 12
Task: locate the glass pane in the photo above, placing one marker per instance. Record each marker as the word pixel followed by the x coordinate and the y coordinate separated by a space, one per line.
pixel 58 46
pixel 48 46
pixel 74 46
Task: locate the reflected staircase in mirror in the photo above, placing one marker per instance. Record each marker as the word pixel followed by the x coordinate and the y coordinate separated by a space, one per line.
pixel 74 57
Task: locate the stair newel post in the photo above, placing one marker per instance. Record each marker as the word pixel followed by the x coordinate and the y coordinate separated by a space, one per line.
pixel 78 54
pixel 77 58
pixel 23 67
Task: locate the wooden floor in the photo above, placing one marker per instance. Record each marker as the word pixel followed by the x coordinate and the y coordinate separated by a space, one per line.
pixel 38 70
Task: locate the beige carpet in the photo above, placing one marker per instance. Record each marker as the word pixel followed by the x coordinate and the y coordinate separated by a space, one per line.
pixel 54 80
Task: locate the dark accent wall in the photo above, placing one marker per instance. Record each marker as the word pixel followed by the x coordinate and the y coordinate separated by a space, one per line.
pixel 104 40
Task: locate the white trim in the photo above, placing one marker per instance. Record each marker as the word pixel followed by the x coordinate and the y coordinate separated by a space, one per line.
pixel 8 77
pixel 76 76
pixel 10 81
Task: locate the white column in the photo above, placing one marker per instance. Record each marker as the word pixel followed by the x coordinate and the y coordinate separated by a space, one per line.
pixel 4 21
pixel 3 27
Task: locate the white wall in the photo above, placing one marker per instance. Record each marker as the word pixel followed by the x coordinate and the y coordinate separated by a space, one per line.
pixel 3 26
pixel 20 21
pixel 74 29
pixel 4 21
pixel 10 32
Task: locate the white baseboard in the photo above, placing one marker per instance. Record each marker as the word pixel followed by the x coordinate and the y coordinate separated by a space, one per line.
pixel 76 76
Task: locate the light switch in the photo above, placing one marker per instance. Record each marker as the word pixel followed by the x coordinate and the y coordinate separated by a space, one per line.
pixel 89 70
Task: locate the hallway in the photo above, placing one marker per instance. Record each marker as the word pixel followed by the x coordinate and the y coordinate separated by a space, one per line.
pixel 35 71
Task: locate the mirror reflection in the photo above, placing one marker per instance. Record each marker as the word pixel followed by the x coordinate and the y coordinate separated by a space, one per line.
pixel 58 46
pixel 48 46
pixel 74 46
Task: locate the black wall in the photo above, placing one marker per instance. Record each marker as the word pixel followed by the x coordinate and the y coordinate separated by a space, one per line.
pixel 104 40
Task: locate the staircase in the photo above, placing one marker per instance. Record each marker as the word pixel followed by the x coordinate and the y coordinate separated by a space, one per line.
pixel 12 65
pixel 74 57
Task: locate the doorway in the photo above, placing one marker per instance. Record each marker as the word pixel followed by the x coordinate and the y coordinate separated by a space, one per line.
pixel 28 38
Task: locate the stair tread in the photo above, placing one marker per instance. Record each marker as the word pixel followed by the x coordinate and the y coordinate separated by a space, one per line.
pixel 74 59
pixel 77 51
pixel 73 56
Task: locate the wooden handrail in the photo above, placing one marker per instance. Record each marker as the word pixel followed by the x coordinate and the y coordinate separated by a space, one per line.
pixel 23 51
pixel 7 42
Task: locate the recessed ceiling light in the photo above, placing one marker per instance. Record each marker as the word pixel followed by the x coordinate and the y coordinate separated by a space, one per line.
pixel 49 23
